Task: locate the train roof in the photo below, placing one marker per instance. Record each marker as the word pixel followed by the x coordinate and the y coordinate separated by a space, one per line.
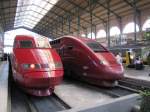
pixel 27 37
pixel 23 37
pixel 83 39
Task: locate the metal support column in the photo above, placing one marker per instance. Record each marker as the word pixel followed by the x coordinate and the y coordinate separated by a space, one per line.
pixel 69 24
pixel 52 32
pixel 135 21
pixel 108 25
pixel 139 20
pixel 56 29
pixel 95 31
pixel 91 16
pixel 120 27
pixel 86 32
pixel 78 21
pixel 3 21
pixel 62 26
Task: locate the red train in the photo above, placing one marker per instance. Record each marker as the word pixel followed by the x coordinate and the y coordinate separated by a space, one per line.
pixel 36 67
pixel 86 59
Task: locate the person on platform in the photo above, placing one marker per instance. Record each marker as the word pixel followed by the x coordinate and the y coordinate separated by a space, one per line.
pixel 119 58
pixel 138 63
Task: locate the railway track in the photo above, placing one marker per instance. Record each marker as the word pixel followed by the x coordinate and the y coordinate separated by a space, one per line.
pixel 117 91
pixel 21 102
pixel 136 84
pixel 47 104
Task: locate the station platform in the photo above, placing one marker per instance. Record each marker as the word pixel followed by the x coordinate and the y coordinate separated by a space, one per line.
pixel 138 74
pixel 3 86
pixel 77 94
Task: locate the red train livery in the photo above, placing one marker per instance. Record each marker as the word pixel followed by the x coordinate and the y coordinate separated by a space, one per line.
pixel 86 59
pixel 36 67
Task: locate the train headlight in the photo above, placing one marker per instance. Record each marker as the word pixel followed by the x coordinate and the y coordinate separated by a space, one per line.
pixel 35 66
pixel 32 66
pixel 104 62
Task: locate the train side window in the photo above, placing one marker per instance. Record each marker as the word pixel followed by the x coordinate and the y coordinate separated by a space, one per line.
pixel 26 44
pixel 70 47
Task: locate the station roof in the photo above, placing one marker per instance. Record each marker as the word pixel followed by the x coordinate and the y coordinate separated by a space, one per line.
pixel 47 17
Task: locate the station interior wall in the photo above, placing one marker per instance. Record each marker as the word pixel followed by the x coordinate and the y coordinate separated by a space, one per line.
pixel 145 15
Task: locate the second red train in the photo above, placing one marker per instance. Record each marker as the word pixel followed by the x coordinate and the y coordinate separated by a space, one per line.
pixel 88 60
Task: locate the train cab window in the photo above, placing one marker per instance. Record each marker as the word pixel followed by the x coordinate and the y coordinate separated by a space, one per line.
pixel 26 44
pixel 96 47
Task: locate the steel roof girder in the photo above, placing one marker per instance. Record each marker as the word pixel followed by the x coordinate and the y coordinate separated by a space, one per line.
pixel 105 7
pixel 85 10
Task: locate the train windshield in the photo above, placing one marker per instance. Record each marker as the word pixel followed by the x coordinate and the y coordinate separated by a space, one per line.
pixel 41 43
pixel 26 44
pixel 96 47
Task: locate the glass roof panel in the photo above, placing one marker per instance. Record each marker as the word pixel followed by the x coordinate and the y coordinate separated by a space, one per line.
pixel 48 6
pixel 32 10
pixel 43 12
pixel 30 21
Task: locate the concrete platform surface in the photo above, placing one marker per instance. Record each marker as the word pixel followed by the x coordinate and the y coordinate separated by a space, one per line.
pixel 77 95
pixel 138 74
pixel 122 104
pixel 3 86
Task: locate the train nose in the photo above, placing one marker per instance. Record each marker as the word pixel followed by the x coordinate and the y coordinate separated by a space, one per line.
pixel 117 72
pixel 43 79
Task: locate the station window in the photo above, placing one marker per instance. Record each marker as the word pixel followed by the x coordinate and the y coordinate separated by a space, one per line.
pixel 101 34
pixel 129 28
pixel 146 25
pixel 114 31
